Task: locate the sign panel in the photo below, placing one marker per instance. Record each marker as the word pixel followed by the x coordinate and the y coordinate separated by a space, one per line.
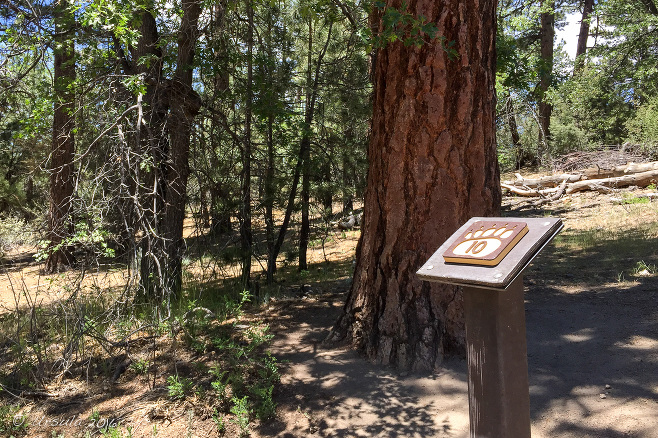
pixel 513 258
pixel 485 242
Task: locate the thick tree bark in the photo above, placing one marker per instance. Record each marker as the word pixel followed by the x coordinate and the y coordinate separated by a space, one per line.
pixel 433 165
pixel 63 142
pixel 153 145
pixel 545 78
pixel 583 35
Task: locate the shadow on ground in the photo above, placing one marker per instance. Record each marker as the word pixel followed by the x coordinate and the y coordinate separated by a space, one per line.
pixel 592 357
pixel 336 393
pixel 593 361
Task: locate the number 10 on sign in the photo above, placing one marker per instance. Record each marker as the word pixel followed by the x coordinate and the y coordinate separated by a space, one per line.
pixel 486 242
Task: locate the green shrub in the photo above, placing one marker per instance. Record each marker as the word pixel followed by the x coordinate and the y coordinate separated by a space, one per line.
pixel 178 387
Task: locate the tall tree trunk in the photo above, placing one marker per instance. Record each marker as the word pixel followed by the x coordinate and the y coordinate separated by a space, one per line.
pixel 283 229
pixel 269 195
pixel 170 107
pixel 185 105
pixel 304 146
pixel 326 195
pixel 153 146
pixel 245 209
pixel 63 142
pixel 522 156
pixel 306 158
pixel 511 121
pixel 268 199
pixel 433 165
pixel 583 35
pixel 547 38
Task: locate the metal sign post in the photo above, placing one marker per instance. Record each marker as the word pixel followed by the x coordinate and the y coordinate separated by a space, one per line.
pixel 487 257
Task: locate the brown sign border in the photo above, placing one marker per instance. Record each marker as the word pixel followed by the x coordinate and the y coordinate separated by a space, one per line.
pixel 519 229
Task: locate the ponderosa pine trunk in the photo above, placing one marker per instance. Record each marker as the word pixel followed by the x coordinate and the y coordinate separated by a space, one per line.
pixel 163 138
pixel 63 142
pixel 433 165
pixel 583 35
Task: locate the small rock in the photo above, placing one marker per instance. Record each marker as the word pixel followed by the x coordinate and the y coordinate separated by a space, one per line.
pixel 602 396
pixel 608 386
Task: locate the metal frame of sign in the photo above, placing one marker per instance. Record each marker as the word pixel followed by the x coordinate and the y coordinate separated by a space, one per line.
pixel 540 232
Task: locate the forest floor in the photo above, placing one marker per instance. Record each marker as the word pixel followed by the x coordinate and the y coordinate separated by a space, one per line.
pixel 592 332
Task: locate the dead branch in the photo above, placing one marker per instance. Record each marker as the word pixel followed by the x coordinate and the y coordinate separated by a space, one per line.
pixel 527 191
pixel 555 196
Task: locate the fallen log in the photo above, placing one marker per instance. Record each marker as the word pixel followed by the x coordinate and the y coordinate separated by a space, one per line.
pixel 544 181
pixel 642 179
pixel 629 168
pixel 587 174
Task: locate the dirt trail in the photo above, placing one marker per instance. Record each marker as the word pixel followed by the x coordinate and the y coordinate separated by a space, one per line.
pixel 593 366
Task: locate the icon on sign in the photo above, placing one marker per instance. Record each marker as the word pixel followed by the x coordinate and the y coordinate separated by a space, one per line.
pixel 486 243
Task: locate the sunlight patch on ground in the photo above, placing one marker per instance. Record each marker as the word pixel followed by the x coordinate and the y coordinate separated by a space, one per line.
pixel 584 335
pixel 28 286
pixel 638 342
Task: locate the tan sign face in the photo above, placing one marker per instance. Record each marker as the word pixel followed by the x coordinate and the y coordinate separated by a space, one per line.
pixel 485 242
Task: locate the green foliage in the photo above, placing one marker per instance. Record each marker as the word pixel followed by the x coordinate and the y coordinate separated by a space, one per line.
pixel 241 411
pixel 11 422
pixel 247 376
pixel 116 432
pixel 93 239
pixel 643 127
pixel 412 30
pixel 641 268
pixel 140 366
pixel 218 419
pixel 567 138
pixel 597 106
pixel 14 232
pixel 179 387
pixel 628 198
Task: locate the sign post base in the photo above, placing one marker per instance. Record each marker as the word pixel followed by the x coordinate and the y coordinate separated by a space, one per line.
pixel 499 401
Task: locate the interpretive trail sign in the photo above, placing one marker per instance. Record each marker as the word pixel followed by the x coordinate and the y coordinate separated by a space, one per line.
pixel 486 242
pixel 539 232
pixel 487 257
